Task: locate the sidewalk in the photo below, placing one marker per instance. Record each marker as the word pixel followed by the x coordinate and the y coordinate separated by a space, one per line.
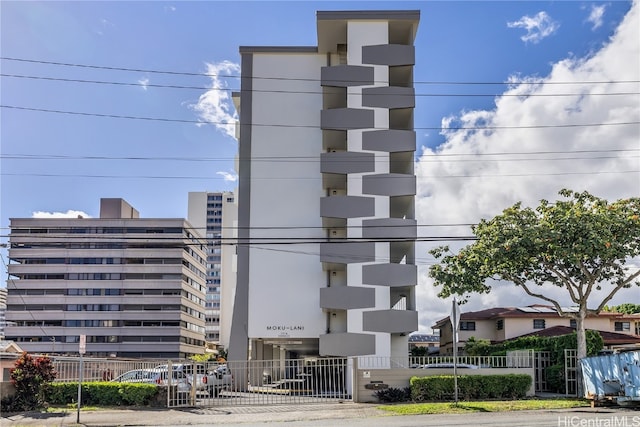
pixel 196 416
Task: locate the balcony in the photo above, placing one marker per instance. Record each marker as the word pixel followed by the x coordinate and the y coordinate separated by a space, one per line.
pixel 347 206
pixel 346 118
pixel 346 75
pixel 393 275
pixel 390 141
pixel 347 252
pixel 347 162
pixel 347 297
pixel 389 228
pixel 391 184
pixel 347 344
pixel 390 321
pixel 389 97
pixel 389 54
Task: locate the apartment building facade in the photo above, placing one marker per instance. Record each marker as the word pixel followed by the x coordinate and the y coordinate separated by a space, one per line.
pixel 3 310
pixel 135 287
pixel 326 223
pixel 214 214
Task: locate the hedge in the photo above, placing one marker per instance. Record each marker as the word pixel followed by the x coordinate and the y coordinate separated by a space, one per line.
pixel 103 393
pixel 470 387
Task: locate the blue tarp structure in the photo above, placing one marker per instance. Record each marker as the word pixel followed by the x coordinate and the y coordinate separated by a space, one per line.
pixel 613 376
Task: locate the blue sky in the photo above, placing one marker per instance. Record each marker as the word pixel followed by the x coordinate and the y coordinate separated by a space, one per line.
pixel 477 42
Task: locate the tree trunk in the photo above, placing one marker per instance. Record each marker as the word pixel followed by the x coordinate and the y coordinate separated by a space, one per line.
pixel 581 337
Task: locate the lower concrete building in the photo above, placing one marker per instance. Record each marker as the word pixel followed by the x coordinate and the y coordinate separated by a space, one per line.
pixel 135 287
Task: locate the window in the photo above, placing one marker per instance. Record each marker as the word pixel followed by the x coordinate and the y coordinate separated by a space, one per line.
pixel 622 326
pixel 573 323
pixel 500 324
pixel 538 324
pixel 467 326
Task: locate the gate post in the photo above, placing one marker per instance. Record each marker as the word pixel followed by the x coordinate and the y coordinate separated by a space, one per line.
pixel 354 378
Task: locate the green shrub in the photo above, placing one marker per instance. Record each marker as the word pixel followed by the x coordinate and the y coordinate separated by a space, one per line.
pixel 103 393
pixel 555 378
pixel 31 378
pixel 470 387
pixel 392 394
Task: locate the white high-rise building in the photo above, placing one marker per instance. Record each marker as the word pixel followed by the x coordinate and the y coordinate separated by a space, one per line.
pixel 326 225
pixel 214 215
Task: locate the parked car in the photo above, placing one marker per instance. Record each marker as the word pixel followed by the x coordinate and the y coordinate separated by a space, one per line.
pixel 449 366
pixel 213 381
pixel 157 376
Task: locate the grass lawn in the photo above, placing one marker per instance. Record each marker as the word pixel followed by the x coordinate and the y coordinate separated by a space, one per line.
pixel 483 406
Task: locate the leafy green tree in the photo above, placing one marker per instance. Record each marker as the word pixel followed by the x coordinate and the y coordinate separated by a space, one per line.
pixel 31 377
pixel 419 351
pixel 581 245
pixel 626 308
pixel 477 347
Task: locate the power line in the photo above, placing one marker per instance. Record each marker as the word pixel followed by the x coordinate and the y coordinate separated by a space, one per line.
pixel 184 73
pixel 20 156
pixel 307 159
pixel 160 119
pixel 298 92
pixel 51 175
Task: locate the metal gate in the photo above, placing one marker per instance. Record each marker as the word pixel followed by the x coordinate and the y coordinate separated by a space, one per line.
pixel 267 382
pixel 542 360
pixel 571 371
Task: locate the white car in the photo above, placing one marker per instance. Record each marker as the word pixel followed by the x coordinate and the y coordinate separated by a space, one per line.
pixel 449 366
pixel 157 376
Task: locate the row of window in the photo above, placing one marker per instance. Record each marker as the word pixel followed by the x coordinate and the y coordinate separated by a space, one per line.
pixel 103 307
pixel 94 261
pixel 101 323
pixel 99 276
pixel 97 230
pixel 99 339
pixel 539 324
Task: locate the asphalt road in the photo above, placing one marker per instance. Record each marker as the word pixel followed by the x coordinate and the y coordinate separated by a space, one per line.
pixel 347 415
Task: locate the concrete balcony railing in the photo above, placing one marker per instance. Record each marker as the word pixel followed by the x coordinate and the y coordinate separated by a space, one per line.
pixel 389 228
pixel 390 321
pixel 389 54
pixel 393 275
pixel 347 344
pixel 346 75
pixel 345 162
pixel 390 184
pixel 346 118
pixel 347 297
pixel 389 97
pixel 347 252
pixel 347 206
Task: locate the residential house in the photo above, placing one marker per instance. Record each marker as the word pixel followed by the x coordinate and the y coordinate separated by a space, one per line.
pixel 502 323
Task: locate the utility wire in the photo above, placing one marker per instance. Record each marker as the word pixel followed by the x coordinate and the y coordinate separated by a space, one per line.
pixel 160 119
pixel 316 159
pixel 298 92
pixel 20 156
pixel 51 175
pixel 183 73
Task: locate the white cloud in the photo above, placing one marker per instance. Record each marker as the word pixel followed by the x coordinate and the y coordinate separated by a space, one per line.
pixel 538 27
pixel 143 82
pixel 215 105
pixel 228 176
pixel 169 8
pixel 595 16
pixel 68 214
pixel 496 181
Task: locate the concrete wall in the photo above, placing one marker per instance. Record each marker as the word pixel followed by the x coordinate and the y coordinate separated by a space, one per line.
pixel 399 378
